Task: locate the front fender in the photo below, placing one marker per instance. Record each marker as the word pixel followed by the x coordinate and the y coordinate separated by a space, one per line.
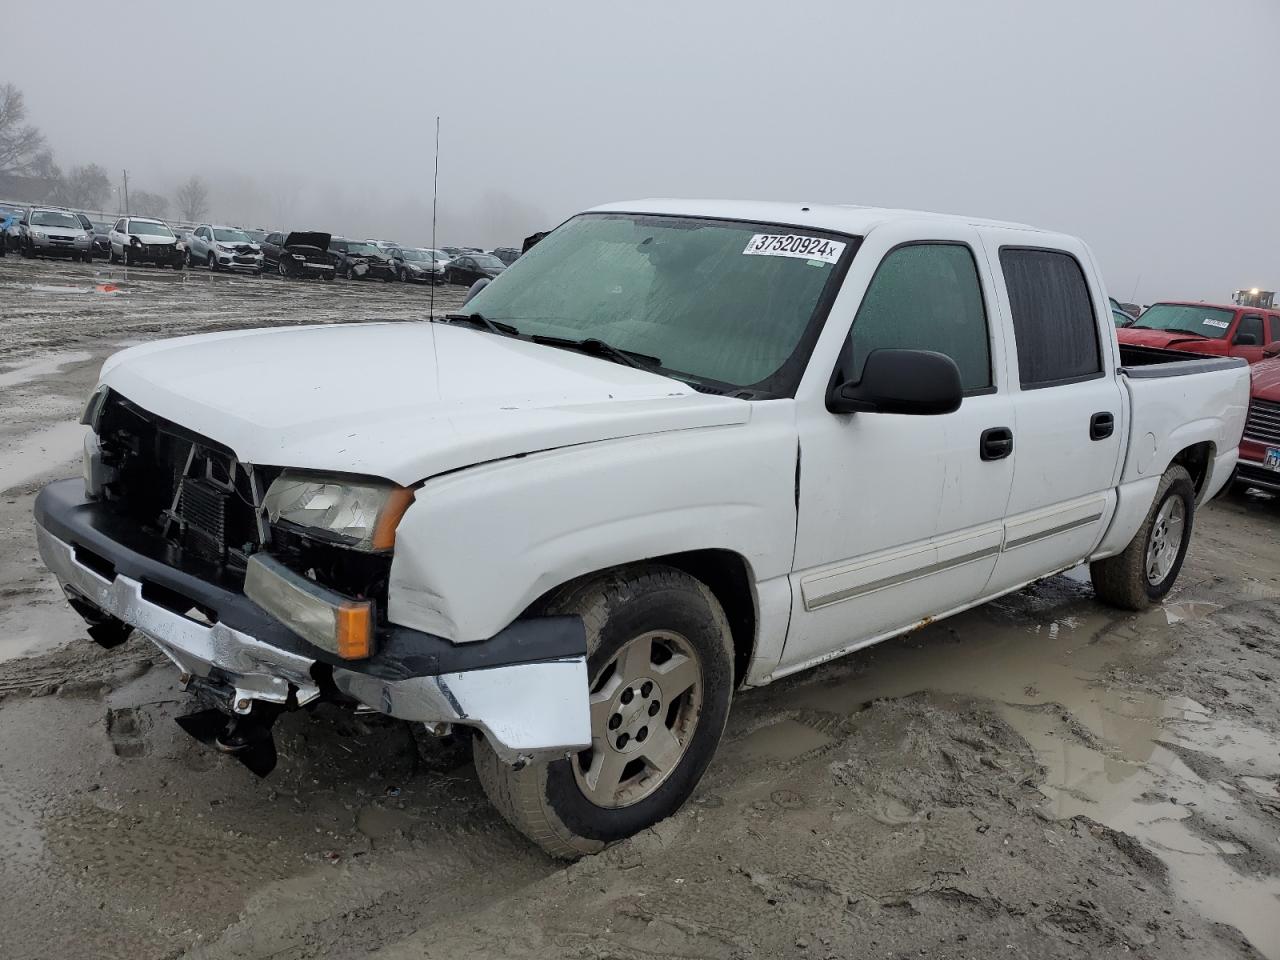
pixel 481 544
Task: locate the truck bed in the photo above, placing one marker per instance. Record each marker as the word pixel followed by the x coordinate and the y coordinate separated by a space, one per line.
pixel 1178 400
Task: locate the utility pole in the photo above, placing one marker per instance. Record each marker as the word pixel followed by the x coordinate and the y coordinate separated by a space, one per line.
pixel 126 192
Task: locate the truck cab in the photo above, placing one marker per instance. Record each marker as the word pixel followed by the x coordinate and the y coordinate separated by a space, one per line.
pixel 678 449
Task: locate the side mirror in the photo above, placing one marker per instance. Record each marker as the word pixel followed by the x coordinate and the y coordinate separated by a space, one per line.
pixel 1246 340
pixel 1272 349
pixel 476 288
pixel 918 382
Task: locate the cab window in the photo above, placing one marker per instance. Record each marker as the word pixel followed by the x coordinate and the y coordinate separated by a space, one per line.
pixel 925 296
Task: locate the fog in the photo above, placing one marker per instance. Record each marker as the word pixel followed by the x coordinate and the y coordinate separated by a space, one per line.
pixel 1147 127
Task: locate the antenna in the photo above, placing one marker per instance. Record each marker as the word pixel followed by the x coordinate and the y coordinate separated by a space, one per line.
pixel 435 190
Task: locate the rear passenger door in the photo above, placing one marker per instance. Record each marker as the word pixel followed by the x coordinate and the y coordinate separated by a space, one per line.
pixel 1068 409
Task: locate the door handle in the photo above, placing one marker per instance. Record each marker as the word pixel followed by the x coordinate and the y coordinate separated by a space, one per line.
pixel 996 443
pixel 1101 425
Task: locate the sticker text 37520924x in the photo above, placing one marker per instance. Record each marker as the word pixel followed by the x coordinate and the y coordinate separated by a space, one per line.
pixel 794 245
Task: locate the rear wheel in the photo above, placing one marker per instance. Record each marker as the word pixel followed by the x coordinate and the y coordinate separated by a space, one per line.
pixel 660 668
pixel 1145 571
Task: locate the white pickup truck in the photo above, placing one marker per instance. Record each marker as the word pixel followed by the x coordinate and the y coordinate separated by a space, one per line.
pixel 678 449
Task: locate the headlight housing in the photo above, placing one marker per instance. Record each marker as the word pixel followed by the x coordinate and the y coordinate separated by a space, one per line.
pixel 360 513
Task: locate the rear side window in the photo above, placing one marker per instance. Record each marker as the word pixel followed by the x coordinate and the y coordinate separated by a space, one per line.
pixel 1053 318
pixel 926 296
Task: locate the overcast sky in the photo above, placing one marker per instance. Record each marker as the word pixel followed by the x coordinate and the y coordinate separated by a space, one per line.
pixel 1149 127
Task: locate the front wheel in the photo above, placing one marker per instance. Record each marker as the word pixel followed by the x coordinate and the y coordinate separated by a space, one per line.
pixel 660 669
pixel 1145 571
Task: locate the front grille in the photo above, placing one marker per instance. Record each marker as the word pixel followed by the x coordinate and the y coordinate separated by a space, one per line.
pixel 183 487
pixel 1263 423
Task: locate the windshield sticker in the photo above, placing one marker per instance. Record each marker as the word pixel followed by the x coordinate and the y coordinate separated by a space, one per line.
pixel 1220 324
pixel 793 245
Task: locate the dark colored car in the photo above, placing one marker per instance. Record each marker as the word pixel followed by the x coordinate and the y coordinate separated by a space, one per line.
pixel 359 259
pixel 416 266
pixel 507 255
pixel 101 238
pixel 256 235
pixel 299 254
pixel 470 267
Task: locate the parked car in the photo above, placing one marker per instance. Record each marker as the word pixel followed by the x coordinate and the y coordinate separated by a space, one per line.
pixel 53 232
pixel 223 248
pixel 1205 328
pixel 1119 315
pixel 507 255
pixel 467 268
pixel 359 259
pixel 300 254
pixel 439 542
pixel 10 228
pixel 416 265
pixel 1259 464
pixel 101 238
pixel 137 240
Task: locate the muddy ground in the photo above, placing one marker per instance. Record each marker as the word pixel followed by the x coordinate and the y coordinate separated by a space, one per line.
pixel 1042 777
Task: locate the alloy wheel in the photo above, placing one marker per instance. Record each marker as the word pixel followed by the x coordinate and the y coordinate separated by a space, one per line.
pixel 1165 540
pixel 645 705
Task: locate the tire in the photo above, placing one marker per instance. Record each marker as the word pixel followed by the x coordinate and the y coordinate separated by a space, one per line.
pixel 1137 577
pixel 111 255
pixel 212 263
pixel 633 609
pixel 280 268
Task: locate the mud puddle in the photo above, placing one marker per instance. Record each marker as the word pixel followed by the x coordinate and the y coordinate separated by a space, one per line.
pixel 36 454
pixel 1117 756
pixel 43 366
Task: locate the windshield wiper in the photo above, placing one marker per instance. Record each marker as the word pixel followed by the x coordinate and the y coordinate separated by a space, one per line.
pixel 480 320
pixel 598 348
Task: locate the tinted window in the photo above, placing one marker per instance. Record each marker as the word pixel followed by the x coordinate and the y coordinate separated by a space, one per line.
pixel 926 297
pixel 1053 317
pixel 1250 326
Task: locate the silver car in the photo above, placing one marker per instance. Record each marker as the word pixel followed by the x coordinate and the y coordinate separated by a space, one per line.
pixel 50 232
pixel 223 248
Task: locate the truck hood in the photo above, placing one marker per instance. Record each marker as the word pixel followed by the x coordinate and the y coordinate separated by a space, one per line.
pixel 1162 338
pixel 1266 380
pixel 403 401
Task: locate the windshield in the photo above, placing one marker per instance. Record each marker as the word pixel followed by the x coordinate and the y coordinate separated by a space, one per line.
pixel 725 302
pixel 361 249
pixel 1211 322
pixel 52 218
pixel 413 255
pixel 487 262
pixel 231 236
pixel 149 228
pixel 257 236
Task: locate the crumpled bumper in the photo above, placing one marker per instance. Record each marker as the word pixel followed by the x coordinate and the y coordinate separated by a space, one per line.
pixel 525 689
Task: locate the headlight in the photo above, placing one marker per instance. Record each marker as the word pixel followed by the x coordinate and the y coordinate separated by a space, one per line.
pixel 361 514
pixel 135 240
pixel 38 234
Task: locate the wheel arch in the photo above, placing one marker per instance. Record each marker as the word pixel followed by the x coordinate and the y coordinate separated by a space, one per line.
pixel 1197 459
pixel 726 573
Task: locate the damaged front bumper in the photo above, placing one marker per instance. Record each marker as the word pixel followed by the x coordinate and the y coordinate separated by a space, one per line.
pixel 525 689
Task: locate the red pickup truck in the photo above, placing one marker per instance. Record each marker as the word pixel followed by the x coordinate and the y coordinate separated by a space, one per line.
pixel 1247 332
pixel 1259 464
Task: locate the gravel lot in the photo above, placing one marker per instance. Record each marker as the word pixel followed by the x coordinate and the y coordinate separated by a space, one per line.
pixel 1038 778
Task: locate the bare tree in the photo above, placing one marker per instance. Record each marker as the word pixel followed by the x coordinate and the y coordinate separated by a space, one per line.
pixel 87 187
pixel 22 148
pixel 144 204
pixel 193 200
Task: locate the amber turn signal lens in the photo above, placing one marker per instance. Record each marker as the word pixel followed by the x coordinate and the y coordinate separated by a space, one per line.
pixel 354 629
pixel 384 531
